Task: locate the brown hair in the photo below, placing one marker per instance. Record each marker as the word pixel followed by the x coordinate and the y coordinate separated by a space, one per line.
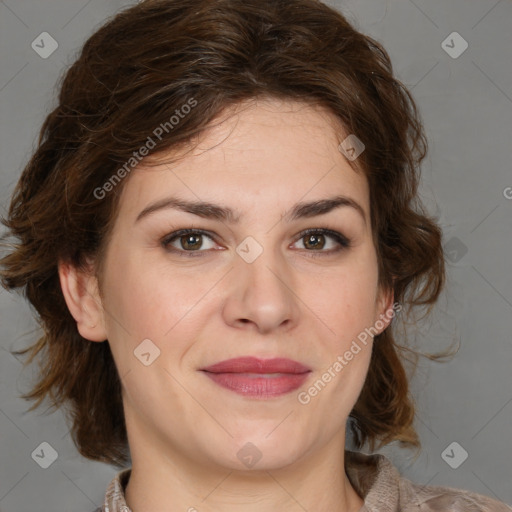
pixel 135 73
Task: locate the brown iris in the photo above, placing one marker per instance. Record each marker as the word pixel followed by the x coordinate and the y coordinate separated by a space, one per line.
pixel 314 241
pixel 187 241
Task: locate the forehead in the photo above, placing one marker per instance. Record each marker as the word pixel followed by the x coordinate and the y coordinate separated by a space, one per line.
pixel 262 153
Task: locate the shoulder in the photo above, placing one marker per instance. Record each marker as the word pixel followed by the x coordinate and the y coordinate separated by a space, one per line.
pixel 379 483
pixel 445 499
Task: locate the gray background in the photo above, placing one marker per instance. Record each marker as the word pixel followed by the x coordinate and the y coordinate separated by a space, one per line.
pixel 466 106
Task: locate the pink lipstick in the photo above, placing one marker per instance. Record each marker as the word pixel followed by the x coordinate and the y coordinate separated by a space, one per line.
pixel 258 378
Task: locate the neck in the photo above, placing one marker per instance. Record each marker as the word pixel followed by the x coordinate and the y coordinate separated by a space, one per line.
pixel 161 480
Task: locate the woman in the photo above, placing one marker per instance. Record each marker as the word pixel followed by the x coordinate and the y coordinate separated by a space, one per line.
pixel 217 228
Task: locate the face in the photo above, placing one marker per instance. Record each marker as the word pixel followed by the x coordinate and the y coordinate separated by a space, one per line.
pixel 274 280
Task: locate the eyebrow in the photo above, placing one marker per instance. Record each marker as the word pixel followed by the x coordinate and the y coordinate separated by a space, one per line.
pixel 213 211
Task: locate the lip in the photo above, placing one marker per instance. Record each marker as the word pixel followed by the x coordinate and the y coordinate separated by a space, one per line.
pixel 255 365
pixel 258 378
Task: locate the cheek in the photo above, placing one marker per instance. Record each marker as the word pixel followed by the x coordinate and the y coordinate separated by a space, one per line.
pixel 346 298
pixel 146 299
pixel 348 308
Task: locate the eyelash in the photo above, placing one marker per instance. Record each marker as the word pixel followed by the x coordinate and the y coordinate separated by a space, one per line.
pixel 344 242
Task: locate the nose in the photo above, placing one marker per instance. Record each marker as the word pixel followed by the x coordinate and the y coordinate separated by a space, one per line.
pixel 261 295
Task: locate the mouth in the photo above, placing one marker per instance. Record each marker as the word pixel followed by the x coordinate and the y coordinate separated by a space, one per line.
pixel 258 378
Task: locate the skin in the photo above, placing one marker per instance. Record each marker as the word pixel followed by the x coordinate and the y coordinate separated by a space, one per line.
pixel 296 301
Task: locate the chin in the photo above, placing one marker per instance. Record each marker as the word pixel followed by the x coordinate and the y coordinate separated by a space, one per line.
pixel 260 452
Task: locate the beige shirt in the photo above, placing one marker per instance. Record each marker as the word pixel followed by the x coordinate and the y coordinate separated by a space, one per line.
pixel 378 483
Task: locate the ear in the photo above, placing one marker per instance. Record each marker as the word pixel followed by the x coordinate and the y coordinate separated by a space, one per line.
pixel 384 309
pixel 81 293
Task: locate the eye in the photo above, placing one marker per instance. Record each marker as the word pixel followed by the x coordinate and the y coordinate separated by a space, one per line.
pixel 316 240
pixel 186 241
pixel 190 242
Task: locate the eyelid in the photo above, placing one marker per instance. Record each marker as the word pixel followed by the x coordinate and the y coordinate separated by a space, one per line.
pixel 342 241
